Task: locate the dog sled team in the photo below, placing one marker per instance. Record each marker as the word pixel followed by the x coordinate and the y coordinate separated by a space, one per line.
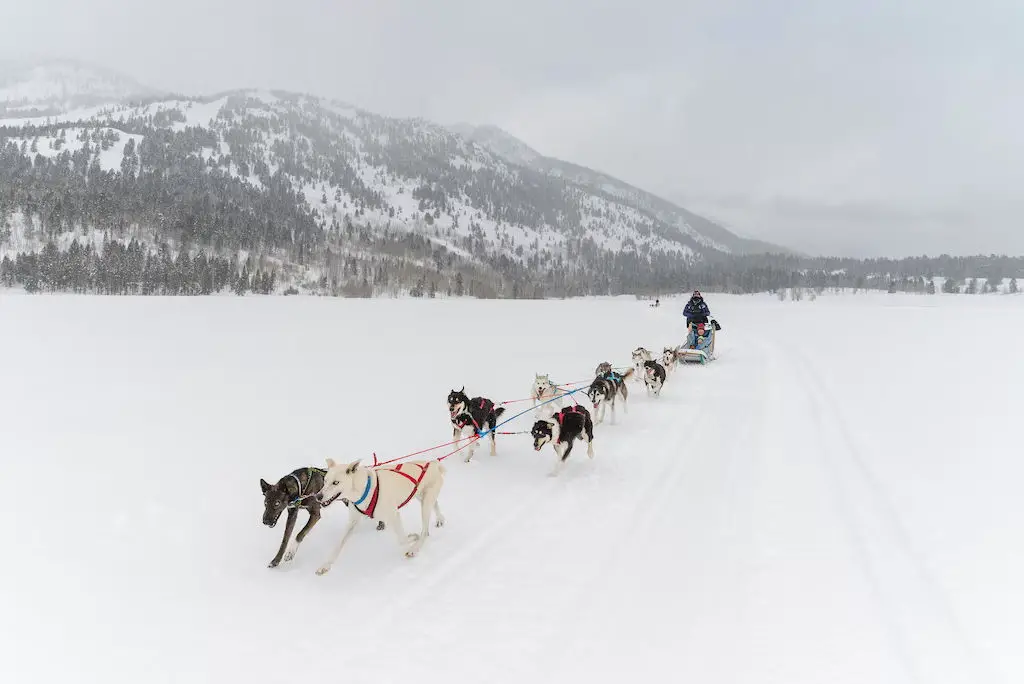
pixel 379 493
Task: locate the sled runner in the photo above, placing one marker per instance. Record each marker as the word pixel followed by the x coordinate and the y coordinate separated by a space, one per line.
pixel 700 343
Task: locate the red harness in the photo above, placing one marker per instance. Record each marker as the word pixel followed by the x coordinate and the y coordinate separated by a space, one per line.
pixel 470 416
pixel 372 506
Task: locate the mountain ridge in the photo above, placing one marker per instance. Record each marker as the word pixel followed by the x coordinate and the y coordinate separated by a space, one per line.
pixel 328 192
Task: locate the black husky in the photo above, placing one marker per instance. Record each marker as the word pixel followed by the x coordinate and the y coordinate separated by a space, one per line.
pixel 478 413
pixel 562 429
pixel 654 376
pixel 298 489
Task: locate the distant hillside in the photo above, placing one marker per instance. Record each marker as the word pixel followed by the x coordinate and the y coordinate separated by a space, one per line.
pixel 57 86
pixel 703 230
pixel 122 189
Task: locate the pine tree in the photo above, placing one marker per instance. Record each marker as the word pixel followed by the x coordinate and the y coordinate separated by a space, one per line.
pixel 242 282
pixel 1013 286
pixel 930 288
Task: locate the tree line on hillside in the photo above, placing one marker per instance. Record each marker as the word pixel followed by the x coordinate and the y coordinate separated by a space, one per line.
pixel 178 218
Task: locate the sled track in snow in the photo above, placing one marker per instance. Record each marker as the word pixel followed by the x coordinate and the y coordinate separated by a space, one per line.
pixel 929 638
pixel 690 468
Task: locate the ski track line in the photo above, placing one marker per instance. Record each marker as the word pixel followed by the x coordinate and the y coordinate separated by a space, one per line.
pixel 844 509
pixel 618 563
pixel 893 594
pixel 421 582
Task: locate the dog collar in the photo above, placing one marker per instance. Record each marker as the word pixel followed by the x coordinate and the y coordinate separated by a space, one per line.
pixel 366 492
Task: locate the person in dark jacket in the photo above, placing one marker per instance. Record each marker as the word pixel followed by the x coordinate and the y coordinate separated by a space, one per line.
pixel 696 310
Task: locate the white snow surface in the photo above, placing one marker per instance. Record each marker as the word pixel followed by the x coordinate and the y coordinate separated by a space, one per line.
pixel 835 499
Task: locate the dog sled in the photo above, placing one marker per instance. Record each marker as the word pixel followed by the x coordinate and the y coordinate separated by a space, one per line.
pixel 700 343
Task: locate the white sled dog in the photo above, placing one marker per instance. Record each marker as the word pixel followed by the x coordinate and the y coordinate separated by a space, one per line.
pixel 542 391
pixel 640 355
pixel 379 493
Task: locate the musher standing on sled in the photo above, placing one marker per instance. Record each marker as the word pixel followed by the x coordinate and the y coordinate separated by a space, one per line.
pixel 696 310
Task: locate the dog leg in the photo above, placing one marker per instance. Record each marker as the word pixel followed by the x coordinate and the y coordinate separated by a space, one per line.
pixel 566 447
pixel 439 517
pixel 428 502
pixel 406 541
pixel 314 516
pixel 353 520
pixel 494 443
pixel 288 527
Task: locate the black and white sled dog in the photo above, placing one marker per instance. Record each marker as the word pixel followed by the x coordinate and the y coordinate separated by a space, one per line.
pixel 606 388
pixel 654 377
pixel 668 359
pixel 561 430
pixel 640 356
pixel 546 393
pixel 478 414
pixel 380 493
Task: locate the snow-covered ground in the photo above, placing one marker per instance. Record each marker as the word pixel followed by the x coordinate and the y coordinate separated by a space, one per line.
pixel 836 499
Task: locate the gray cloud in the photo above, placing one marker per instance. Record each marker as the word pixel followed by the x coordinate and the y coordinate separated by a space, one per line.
pixel 859 126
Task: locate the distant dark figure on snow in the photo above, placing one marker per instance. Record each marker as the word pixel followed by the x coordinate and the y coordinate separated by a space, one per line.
pixel 696 310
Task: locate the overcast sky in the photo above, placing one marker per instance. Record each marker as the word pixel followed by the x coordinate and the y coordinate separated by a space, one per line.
pixel 849 126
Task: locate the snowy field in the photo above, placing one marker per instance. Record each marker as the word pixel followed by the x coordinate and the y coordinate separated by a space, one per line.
pixel 837 499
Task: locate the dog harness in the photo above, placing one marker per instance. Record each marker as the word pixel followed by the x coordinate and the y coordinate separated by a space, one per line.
pixel 300 496
pixel 560 417
pixel 461 422
pixel 372 506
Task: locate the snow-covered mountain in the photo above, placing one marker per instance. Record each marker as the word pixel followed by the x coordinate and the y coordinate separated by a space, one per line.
pixel 57 86
pixel 502 143
pixel 709 233
pixel 328 189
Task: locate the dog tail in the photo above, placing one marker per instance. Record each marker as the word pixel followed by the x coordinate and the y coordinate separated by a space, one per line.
pixel 628 372
pixel 498 411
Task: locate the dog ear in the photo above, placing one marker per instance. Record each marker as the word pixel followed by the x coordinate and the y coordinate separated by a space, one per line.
pixel 331 463
pixel 351 467
pixel 265 486
pixel 463 390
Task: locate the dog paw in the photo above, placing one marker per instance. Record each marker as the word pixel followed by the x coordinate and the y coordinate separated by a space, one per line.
pixel 324 570
pixel 380 525
pixel 273 563
pixel 440 522
pixel 413 538
pixel 411 553
pixel 288 556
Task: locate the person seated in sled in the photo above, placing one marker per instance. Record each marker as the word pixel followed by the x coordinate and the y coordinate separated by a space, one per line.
pixel 696 310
